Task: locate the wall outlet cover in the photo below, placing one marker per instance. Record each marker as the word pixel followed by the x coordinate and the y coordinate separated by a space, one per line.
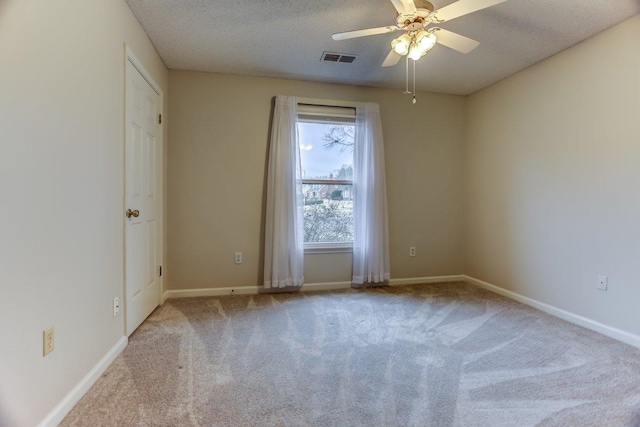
pixel 48 341
pixel 602 283
pixel 116 306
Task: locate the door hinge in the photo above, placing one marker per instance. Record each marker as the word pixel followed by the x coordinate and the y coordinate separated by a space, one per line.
pixel 159 119
pixel 160 271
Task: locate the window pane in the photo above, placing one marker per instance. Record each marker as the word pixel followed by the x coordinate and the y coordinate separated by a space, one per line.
pixel 328 213
pixel 326 150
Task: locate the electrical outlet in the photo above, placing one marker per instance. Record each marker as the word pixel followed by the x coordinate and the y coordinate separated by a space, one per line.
pixel 238 257
pixel 116 306
pixel 602 283
pixel 48 341
pixel 412 251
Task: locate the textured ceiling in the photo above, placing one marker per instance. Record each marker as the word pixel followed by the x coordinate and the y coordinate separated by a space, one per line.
pixel 286 38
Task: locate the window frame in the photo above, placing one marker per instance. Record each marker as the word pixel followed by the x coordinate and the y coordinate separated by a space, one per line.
pixel 326 112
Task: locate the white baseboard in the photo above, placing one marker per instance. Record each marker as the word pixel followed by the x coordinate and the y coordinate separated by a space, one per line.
pixel 248 290
pixel 606 330
pixel 61 410
pixel 420 280
pixel 211 292
pixel 307 287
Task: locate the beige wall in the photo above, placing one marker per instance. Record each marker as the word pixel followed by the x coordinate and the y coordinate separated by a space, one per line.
pixel 552 179
pixel 61 181
pixel 217 167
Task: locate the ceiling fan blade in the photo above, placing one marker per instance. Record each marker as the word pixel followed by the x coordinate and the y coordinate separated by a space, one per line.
pixel 404 6
pixel 392 59
pixel 362 33
pixel 464 7
pixel 455 41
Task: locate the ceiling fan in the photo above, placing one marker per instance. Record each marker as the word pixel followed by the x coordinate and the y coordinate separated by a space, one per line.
pixel 415 17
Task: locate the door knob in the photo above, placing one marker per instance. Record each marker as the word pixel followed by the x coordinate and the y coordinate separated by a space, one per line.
pixel 131 213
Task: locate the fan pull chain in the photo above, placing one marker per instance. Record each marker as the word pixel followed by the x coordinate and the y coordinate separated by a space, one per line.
pixel 414 82
pixel 406 89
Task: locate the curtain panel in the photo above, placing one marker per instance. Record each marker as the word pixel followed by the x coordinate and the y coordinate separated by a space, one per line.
pixel 284 246
pixel 371 231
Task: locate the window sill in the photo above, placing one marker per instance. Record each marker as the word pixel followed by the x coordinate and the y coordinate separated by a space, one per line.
pixel 328 248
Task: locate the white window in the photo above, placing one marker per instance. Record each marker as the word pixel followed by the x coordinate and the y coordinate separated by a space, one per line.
pixel 326 137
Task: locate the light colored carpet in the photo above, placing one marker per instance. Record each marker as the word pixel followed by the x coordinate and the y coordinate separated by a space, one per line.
pixel 425 355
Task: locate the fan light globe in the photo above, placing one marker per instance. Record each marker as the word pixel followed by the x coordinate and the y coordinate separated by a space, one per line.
pixel 401 44
pixel 414 51
pixel 426 41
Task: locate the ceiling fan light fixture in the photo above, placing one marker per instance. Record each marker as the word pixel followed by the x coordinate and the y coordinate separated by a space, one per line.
pixel 414 51
pixel 426 41
pixel 401 44
pixel 414 18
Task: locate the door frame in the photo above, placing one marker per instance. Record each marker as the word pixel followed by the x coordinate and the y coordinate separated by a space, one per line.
pixel 137 64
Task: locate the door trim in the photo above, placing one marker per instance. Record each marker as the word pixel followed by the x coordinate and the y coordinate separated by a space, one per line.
pixel 137 64
pixel 131 57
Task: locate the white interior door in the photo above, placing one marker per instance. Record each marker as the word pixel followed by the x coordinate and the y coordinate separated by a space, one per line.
pixel 143 143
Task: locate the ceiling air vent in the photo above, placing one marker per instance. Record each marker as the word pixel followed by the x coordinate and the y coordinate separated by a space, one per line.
pixel 338 57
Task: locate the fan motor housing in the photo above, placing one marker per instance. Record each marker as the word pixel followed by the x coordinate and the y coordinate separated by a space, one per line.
pixel 415 21
pixel 424 4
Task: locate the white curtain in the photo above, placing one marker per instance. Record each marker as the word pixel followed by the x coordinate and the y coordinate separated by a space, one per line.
pixel 284 250
pixel 371 232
